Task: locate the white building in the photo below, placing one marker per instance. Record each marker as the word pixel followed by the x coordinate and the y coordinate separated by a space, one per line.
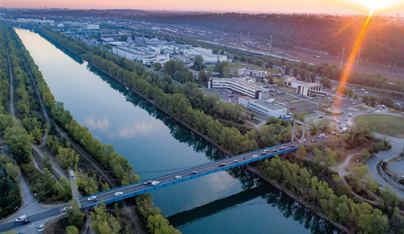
pixel 245 101
pixel 92 26
pixel 237 85
pixel 267 109
pixel 213 58
pixel 306 89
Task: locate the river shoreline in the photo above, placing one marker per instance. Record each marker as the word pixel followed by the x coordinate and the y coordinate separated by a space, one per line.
pixel 227 153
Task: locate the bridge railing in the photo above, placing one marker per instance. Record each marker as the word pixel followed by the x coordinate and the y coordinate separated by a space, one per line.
pixel 172 173
pixel 142 191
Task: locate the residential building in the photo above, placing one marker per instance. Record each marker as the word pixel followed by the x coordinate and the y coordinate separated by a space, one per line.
pixel 92 26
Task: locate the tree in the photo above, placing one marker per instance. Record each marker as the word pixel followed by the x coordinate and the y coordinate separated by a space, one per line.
pixel 157 66
pixel 67 157
pixel 12 170
pixel 103 222
pixel 46 162
pixel 64 190
pixel 365 154
pixel 281 81
pixel 326 82
pixel 389 199
pixel 72 230
pixel 198 62
pixel 75 215
pixel 301 151
pixel 202 76
pixel 18 141
pixel 49 182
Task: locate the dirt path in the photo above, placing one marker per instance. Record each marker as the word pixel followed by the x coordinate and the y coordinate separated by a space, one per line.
pixel 342 169
pixel 12 112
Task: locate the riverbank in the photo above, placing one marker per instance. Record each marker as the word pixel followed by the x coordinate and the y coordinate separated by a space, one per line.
pixel 188 127
pixel 291 195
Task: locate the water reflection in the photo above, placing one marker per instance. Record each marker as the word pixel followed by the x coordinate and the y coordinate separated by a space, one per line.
pixel 122 124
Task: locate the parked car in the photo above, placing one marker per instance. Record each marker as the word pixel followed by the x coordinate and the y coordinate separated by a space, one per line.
pixel 154 183
pixel 194 172
pixel 147 182
pixel 368 111
pixel 222 164
pixel 178 177
pixel 41 228
pixel 117 194
pixel 21 218
pixel 92 198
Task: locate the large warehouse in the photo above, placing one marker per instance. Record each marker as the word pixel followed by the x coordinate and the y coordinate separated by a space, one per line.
pixel 306 89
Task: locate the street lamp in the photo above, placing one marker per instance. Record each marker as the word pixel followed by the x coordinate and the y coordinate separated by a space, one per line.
pixel 342 57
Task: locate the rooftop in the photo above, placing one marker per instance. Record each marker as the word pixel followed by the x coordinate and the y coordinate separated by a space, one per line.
pixel 269 105
pixel 247 98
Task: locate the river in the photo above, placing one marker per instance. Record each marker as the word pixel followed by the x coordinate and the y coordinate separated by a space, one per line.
pixel 232 201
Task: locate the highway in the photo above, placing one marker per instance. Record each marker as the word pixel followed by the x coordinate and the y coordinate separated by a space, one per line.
pixel 169 179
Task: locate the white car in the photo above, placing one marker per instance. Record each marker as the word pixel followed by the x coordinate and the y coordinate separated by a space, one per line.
pixel 41 228
pixel 92 198
pixel 154 183
pixel 66 208
pixel 117 194
pixel 178 177
pixel 255 156
pixel 21 218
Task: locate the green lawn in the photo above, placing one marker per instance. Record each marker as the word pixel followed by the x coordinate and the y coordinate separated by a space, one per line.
pixel 361 108
pixel 383 124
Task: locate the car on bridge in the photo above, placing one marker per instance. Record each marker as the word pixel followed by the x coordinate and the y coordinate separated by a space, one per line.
pixel 147 182
pixel 154 183
pixel 283 148
pixel 92 198
pixel 25 221
pixel 235 161
pixel 117 194
pixel 222 164
pixel 255 156
pixel 274 150
pixel 177 177
pixel 194 172
pixel 264 153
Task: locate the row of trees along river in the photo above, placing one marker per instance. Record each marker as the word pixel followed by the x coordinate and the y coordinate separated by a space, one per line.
pixel 233 201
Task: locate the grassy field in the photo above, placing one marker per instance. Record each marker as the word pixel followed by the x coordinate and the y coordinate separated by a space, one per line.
pixel 361 108
pixel 383 124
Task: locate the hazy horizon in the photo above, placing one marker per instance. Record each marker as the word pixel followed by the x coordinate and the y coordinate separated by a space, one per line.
pixel 349 7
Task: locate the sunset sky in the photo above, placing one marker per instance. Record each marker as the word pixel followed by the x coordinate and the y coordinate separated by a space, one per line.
pixel 265 6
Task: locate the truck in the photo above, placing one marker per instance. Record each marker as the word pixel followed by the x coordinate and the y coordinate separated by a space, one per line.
pixel 287 117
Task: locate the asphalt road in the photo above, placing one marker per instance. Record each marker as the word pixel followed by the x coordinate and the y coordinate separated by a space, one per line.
pixel 36 217
pixel 139 187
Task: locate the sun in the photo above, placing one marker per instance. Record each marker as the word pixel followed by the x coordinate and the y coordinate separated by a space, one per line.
pixel 374 4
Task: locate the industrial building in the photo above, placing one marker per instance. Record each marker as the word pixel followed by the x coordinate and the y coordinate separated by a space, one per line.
pixel 237 85
pixel 267 108
pixel 306 89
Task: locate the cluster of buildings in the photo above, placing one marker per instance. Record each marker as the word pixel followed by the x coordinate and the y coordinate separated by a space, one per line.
pixel 152 50
pixel 254 97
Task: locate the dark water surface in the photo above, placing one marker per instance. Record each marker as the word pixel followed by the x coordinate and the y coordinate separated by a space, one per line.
pixel 225 202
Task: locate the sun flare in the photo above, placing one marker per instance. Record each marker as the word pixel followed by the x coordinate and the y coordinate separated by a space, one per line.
pixel 372 6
